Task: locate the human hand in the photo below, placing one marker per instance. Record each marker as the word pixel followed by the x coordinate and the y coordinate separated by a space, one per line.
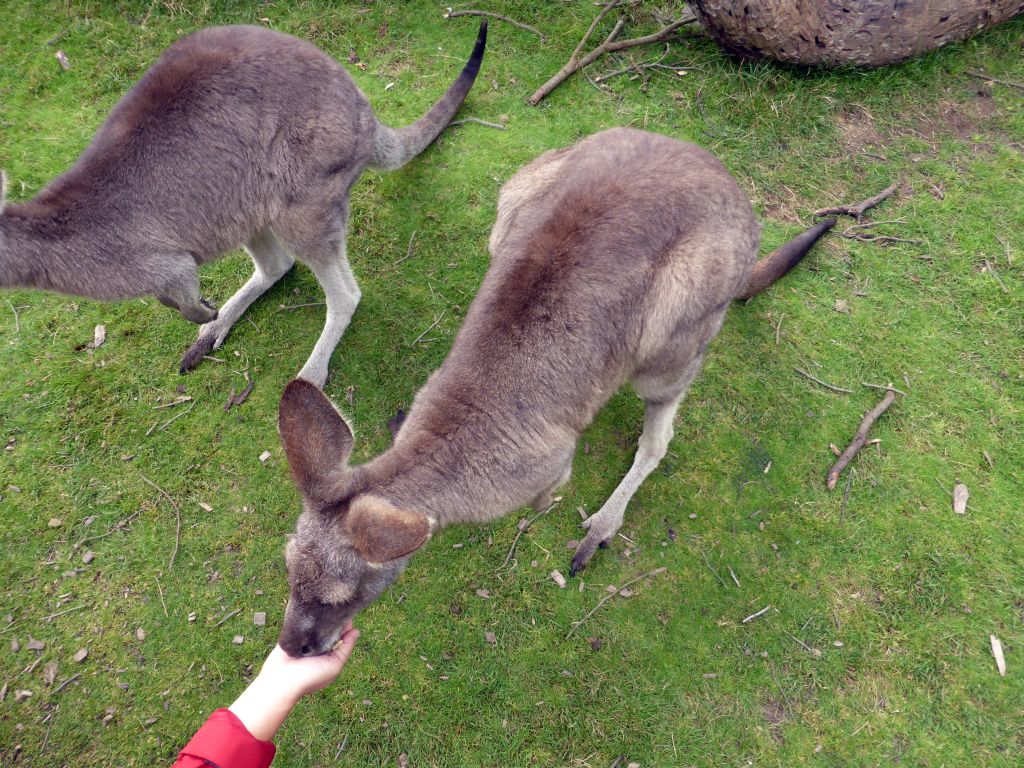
pixel 303 675
pixel 284 679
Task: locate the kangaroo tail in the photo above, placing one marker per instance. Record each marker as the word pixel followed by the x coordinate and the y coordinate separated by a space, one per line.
pixel 777 263
pixel 393 148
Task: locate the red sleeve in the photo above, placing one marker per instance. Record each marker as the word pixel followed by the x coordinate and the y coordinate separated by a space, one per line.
pixel 225 743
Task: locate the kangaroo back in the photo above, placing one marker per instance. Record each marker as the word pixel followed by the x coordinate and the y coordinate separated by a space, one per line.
pixel 393 148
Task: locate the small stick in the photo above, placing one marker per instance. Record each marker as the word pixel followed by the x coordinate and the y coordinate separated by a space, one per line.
pixel 824 384
pixel 177 520
pixel 859 439
pixel 992 271
pixel 757 615
pixel 46 738
pixel 341 747
pixel 610 45
pixel 846 494
pixel 886 388
pixel 53 616
pixel 983 76
pixel 882 239
pixel 233 613
pixel 408 251
pixel 477 121
pixel 785 698
pixel 173 419
pixel 283 308
pixel 66 683
pixel 121 525
pixel 708 564
pixel 161 593
pixel 857 211
pixel 17 323
pixel 731 573
pixel 455 14
pixel 173 403
pixel 813 651
pixel 778 329
pixel 576 625
pixel 429 329
pixel 523 530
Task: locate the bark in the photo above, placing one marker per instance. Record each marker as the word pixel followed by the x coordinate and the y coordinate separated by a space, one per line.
pixel 869 33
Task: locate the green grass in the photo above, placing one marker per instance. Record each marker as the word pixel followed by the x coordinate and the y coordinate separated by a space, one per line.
pixel 911 590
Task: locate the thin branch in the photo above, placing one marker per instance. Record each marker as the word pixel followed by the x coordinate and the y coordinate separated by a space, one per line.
pixel 173 419
pixel 757 615
pixel 992 271
pixel 577 624
pixel 610 44
pixel 859 439
pixel 523 530
pixel 822 383
pixel 408 251
pixel 121 525
pixel 66 683
pixel 885 388
pixel 53 616
pixel 17 322
pixel 857 210
pixel 233 613
pixel 285 308
pixel 177 401
pixel 710 568
pixel 177 520
pixel 983 76
pixel 431 327
pixel 454 14
pixel 477 121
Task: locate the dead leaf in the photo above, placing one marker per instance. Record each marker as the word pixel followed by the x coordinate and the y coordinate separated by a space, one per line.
pixel 264 456
pixel 88 556
pixel 80 654
pixel 490 637
pixel 62 59
pixel 403 760
pixel 485 594
pixel 35 645
pixel 22 695
pixel 238 639
pixel 15 645
pixel 49 673
pixel 99 335
pixel 523 524
pixel 960 495
pixel 140 634
pixel 205 507
pixel 625 592
pixel 997 653
pixel 842 306
pixel 558 578
pixel 595 643
pixel 55 522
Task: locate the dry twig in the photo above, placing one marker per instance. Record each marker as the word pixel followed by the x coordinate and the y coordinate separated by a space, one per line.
pixel 477 121
pixel 177 520
pixel 66 683
pixel 824 384
pixel 455 14
pixel 1009 83
pixel 523 529
pixel 610 44
pixel 857 210
pixel 228 616
pixel 120 526
pixel 17 322
pixel 577 624
pixel 858 441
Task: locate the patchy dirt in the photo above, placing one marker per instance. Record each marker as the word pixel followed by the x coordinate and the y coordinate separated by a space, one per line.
pixel 775 713
pixel 857 130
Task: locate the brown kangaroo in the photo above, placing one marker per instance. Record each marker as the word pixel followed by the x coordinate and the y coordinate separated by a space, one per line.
pixel 236 135
pixel 613 260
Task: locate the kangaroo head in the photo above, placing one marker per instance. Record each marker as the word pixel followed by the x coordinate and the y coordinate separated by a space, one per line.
pixel 349 546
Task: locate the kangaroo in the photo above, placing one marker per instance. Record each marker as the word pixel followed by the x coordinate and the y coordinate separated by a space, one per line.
pixel 612 261
pixel 237 135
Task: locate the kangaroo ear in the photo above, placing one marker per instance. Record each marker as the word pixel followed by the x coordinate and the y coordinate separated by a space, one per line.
pixel 380 531
pixel 316 439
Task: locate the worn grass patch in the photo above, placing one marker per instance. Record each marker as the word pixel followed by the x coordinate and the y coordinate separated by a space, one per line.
pixel 897 592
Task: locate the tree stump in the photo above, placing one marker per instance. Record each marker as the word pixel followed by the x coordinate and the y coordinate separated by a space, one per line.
pixel 830 33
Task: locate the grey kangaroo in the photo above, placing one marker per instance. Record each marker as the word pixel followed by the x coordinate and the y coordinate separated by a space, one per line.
pixel 613 260
pixel 237 135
